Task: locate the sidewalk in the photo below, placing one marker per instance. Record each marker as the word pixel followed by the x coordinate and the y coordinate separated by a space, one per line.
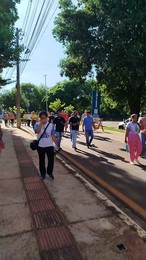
pixel 57 220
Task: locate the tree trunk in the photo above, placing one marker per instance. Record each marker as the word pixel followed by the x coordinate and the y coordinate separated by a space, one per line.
pixel 134 100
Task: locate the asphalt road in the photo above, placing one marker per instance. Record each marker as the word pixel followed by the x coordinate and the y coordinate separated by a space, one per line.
pixel 108 162
pixel 111 123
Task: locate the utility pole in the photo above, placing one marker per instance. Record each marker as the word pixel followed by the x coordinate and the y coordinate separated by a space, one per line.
pixel 18 81
pixel 46 94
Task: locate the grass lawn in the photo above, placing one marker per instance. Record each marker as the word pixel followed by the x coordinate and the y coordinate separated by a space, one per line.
pixel 113 129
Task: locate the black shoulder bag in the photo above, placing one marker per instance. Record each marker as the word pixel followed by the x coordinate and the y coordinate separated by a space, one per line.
pixel 34 144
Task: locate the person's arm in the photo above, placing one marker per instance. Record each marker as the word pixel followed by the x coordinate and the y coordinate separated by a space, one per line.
pixel 54 139
pixel 83 124
pixel 93 125
pixel 53 135
pixel 70 122
pixel 126 134
pixel 64 122
pixel 37 128
pixel 141 124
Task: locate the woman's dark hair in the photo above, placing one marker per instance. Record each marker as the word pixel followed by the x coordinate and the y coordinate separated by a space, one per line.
pixel 43 113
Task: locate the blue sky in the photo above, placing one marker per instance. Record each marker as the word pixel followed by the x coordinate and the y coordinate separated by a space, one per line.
pixel 46 57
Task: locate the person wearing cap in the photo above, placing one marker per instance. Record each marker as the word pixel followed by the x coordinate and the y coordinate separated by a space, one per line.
pixel 133 140
pixel 88 126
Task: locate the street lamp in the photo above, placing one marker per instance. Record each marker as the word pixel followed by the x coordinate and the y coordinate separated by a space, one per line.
pixel 46 99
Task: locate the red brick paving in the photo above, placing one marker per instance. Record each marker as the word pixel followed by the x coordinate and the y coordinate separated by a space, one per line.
pixel 54 239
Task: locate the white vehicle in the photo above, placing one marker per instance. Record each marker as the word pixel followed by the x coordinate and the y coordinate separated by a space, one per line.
pixel 122 125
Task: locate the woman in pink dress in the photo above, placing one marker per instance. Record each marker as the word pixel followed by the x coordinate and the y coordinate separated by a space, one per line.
pixel 133 139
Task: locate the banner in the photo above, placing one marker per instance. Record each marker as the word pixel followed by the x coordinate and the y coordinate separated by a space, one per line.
pixel 95 103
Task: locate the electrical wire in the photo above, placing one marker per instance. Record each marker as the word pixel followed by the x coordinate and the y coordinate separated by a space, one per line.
pixel 34 27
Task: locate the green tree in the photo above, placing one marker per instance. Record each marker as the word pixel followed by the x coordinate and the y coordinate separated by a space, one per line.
pixel 8 51
pixel 110 35
pixel 56 105
pixel 72 92
pixel 32 97
pixel 69 109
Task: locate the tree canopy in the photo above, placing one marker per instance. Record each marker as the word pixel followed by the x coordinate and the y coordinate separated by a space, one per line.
pixel 8 51
pixel 68 95
pixel 110 36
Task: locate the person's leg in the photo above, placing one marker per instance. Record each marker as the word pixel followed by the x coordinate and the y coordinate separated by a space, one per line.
pixel 42 168
pixel 143 140
pixel 138 147
pixel 87 137
pixel 131 144
pixel 61 133
pixel 91 136
pixel 59 136
pixel 73 138
pixel 50 156
pixel 6 121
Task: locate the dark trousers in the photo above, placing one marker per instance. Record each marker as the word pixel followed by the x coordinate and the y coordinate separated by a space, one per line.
pixel 28 122
pixel 49 151
pixel 33 123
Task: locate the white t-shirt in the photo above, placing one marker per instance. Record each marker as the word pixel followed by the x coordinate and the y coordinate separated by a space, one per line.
pixel 134 128
pixel 46 139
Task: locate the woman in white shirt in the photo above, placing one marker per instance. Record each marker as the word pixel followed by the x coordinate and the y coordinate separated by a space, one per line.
pixel 133 139
pixel 45 146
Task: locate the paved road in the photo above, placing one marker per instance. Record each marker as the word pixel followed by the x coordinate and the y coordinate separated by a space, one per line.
pixel 111 123
pixel 108 163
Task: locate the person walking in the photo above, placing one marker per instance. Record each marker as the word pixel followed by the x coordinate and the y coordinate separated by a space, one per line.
pixel 74 122
pixel 25 118
pixel 142 122
pixel 28 119
pixel 6 118
pixel 59 123
pixel 45 146
pixel 88 125
pixel 33 118
pixel 12 118
pixel 133 140
pixel 66 117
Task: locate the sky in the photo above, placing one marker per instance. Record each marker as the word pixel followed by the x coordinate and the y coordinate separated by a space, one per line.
pixel 45 58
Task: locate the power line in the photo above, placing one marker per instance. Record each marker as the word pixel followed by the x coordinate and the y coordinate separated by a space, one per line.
pixel 36 18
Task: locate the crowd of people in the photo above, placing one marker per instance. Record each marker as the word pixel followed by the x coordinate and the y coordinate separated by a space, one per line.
pixel 9 118
pixel 51 127
pixel 135 137
pixel 49 130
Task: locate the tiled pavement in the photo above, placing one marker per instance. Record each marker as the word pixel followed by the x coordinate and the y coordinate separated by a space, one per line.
pixel 54 239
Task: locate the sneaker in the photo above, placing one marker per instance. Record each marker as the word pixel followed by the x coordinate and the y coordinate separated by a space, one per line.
pixel 131 162
pixel 42 177
pixel 137 161
pixel 50 177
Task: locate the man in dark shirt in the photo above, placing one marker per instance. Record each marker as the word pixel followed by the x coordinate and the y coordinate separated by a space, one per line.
pixel 59 123
pixel 74 122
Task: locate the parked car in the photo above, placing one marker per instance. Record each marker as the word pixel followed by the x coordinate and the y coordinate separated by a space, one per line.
pixel 122 125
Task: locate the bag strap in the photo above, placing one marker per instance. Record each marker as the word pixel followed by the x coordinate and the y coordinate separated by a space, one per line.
pixel 43 132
